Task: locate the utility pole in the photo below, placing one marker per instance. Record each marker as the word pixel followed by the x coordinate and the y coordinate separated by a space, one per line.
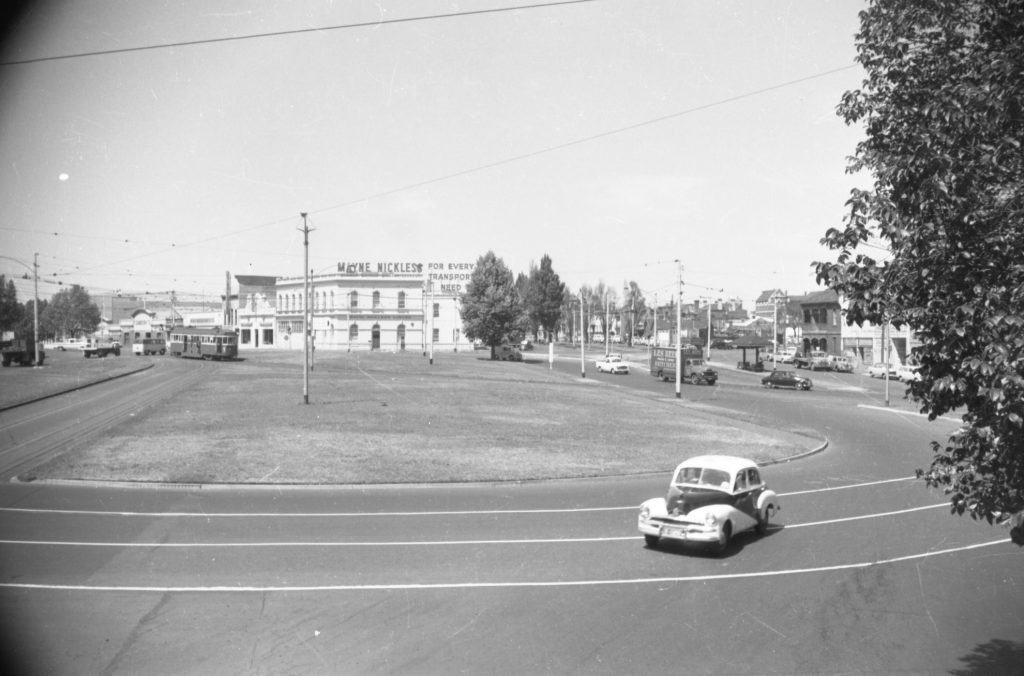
pixel 430 305
pixel 583 357
pixel 709 330
pixel 607 321
pixel 679 334
pixel 305 311
pixel 35 306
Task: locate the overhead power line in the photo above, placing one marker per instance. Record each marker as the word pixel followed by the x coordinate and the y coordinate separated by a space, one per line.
pixel 297 31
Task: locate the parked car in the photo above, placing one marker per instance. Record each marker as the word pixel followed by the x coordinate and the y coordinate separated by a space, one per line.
pixel 878 370
pixel 711 498
pixel 908 372
pixel 509 353
pixel 816 360
pixel 786 379
pixel 840 364
pixel 613 365
pixel 722 345
pixel 71 344
pixel 525 345
pixel 786 356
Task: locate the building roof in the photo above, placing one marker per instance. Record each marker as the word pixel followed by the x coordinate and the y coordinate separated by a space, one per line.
pixel 256 280
pixel 826 296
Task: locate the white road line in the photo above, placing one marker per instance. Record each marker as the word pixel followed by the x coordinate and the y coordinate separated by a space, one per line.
pixel 904 412
pixel 495 585
pixel 419 543
pixel 467 512
pixel 843 488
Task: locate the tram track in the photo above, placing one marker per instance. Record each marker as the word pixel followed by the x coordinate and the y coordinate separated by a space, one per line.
pixel 35 433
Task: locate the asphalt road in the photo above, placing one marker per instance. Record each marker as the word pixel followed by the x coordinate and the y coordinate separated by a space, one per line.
pixel 864 572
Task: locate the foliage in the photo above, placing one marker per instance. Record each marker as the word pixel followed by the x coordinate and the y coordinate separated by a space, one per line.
pixel 545 294
pixel 943 110
pixel 11 310
pixel 634 306
pixel 491 308
pixel 71 312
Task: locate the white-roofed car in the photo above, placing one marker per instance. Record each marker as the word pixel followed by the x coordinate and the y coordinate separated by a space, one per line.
pixel 711 499
pixel 613 364
pixel 878 370
pixel 908 372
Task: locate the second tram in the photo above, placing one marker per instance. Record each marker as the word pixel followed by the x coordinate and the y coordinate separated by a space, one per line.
pixel 198 343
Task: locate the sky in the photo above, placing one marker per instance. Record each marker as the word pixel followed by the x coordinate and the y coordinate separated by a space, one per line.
pixel 150 147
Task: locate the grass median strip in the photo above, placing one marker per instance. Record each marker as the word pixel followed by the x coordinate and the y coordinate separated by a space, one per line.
pixel 392 418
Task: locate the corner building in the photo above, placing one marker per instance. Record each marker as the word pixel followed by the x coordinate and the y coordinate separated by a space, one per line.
pixel 390 306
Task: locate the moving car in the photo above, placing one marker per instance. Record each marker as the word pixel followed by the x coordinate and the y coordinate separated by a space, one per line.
pixel 840 364
pixel 711 498
pixel 612 355
pixel 613 365
pixel 786 379
pixel 878 370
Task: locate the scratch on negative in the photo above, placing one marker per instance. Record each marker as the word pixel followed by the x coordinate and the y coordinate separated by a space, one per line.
pixel 765 624
pixel 927 610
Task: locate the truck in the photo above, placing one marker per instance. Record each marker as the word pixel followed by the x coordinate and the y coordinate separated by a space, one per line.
pixel 814 360
pixel 98 349
pixel 695 371
pixel 20 349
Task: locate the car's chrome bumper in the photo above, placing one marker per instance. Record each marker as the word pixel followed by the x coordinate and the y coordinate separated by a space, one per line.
pixel 679 530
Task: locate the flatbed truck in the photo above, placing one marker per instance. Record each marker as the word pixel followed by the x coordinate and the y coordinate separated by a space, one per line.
pixel 695 370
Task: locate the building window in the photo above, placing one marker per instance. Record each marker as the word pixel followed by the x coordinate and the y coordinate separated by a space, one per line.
pixel 353 332
pixel 268 336
pixel 401 300
pixel 353 299
pixel 376 299
pixel 437 309
pixel 435 335
pixel 332 299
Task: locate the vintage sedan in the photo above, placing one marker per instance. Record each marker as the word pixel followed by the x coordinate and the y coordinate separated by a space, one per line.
pixel 613 364
pixel 878 370
pixel 909 373
pixel 711 499
pixel 787 379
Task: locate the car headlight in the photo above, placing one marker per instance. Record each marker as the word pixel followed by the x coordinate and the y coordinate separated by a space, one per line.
pixel 710 520
pixel 645 512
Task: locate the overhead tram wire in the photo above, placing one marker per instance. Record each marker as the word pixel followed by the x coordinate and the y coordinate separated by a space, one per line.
pixel 445 177
pixel 297 31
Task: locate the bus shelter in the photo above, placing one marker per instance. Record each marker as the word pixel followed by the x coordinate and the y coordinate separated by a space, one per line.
pixel 755 343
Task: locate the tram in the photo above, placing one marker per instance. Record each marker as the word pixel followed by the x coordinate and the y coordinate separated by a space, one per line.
pixel 199 343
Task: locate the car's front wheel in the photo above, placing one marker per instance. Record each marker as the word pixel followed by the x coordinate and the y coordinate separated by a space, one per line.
pixel 651 541
pixel 724 536
pixel 766 516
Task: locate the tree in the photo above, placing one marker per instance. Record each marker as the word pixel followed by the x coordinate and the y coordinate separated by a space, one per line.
pixel 943 110
pixel 545 294
pixel 70 312
pixel 634 306
pixel 491 308
pixel 11 310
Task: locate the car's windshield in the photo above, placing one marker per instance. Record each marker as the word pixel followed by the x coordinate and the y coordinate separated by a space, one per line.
pixel 703 476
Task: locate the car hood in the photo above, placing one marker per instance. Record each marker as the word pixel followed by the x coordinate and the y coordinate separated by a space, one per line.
pixel 688 498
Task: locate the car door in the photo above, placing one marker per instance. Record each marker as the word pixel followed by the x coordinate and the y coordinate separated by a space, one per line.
pixel 745 500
